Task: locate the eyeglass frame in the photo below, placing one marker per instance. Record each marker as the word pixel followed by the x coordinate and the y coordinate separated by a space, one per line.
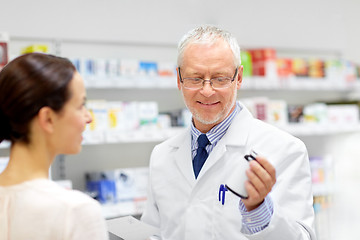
pixel 205 80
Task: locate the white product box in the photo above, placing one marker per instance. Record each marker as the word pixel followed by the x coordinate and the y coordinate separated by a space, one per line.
pixel 129 71
pixel 343 114
pixel 277 112
pixel 148 114
pixel 131 183
pixel 95 131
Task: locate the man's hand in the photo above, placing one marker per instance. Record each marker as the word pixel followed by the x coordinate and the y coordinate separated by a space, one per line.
pixel 261 178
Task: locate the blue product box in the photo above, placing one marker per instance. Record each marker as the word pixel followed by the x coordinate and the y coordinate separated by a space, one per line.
pixel 101 188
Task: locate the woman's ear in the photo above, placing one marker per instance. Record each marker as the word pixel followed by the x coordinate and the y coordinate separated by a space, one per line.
pixel 46 119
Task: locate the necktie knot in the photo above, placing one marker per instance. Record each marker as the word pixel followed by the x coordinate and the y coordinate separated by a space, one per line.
pixel 203 141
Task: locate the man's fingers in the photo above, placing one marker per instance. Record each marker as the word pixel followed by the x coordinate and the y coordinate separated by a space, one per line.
pixel 268 167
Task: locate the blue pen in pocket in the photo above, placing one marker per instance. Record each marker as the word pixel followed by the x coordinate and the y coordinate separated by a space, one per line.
pixel 222 191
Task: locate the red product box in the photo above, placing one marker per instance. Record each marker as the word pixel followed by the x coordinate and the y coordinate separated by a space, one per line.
pixel 263 61
pixel 4 39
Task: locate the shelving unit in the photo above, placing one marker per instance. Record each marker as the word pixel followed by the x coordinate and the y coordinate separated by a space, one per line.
pixel 134 148
pixel 169 99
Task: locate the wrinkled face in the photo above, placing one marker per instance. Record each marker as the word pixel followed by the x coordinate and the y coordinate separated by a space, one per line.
pixel 209 106
pixel 70 122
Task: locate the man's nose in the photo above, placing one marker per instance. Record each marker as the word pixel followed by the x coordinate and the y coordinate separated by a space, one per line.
pixel 207 90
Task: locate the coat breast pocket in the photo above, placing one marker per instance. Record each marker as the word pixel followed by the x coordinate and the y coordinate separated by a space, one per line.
pixel 227 219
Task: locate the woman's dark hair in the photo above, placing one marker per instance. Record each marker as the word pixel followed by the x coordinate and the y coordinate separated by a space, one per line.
pixel 27 84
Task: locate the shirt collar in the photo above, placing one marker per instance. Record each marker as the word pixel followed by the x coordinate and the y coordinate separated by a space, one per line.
pixel 218 131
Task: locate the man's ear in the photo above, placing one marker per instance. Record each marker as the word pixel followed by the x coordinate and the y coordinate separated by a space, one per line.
pixel 178 78
pixel 239 77
pixel 46 119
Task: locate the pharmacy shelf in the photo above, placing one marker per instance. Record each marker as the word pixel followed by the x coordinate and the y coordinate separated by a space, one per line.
pixel 250 83
pixel 300 84
pixel 322 189
pixel 124 208
pixel 140 82
pixel 112 137
pixel 313 129
pixel 156 135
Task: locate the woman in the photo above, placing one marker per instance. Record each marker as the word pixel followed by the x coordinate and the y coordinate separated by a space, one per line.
pixel 43 114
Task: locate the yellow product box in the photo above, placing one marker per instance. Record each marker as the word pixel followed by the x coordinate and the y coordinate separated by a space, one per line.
pixel 35 48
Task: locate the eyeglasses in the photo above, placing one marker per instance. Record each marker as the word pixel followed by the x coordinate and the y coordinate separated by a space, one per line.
pixel 216 83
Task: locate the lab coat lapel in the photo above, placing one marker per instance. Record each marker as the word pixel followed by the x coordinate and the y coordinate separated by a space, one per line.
pixel 183 157
pixel 214 156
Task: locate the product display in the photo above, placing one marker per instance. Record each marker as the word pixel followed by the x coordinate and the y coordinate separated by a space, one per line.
pixel 4 41
pixel 119 187
pixel 117 121
pixel 278 112
pixel 125 72
pixel 261 68
pixel 322 172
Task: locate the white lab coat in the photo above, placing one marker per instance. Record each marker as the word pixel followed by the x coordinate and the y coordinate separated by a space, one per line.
pixel 187 208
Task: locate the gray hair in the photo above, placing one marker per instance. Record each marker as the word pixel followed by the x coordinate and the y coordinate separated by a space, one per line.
pixel 208 34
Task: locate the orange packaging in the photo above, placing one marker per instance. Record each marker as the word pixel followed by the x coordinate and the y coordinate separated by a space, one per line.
pixel 316 68
pixel 300 67
pixel 284 67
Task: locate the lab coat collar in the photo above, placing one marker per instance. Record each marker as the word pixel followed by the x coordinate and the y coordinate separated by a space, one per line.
pixel 239 130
